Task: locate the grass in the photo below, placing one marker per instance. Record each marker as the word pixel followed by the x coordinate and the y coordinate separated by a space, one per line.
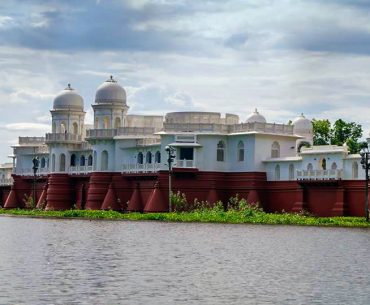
pixel 213 215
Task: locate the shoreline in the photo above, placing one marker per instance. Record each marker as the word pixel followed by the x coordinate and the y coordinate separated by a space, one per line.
pixel 202 216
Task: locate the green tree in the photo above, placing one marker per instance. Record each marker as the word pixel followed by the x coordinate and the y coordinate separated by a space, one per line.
pixel 321 132
pixel 337 134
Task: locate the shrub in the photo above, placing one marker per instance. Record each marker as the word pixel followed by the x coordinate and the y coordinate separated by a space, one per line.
pixel 178 202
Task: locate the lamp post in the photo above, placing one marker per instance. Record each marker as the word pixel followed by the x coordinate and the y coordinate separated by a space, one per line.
pixel 171 156
pixel 366 166
pixel 35 167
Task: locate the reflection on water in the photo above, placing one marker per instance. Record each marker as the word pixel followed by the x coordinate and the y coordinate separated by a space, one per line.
pixel 116 262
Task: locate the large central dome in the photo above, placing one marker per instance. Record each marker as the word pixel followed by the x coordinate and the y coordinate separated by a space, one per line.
pixel 68 99
pixel 110 92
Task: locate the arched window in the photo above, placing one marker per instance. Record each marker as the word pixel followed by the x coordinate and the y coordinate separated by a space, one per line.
pixel 220 151
pixel 62 163
pixel 323 164
pixel 355 170
pixel 310 167
pixel 53 162
pixel 73 160
pixel 157 157
pixel 140 158
pixel 104 160
pixel 117 123
pixel 96 123
pixel 63 128
pixel 241 151
pixel 291 171
pixel 43 162
pixel 277 172
pixel 54 128
pixel 334 166
pixel 82 160
pixel 275 150
pixel 95 160
pixel 148 157
pixel 106 123
pixel 75 128
pixel 90 160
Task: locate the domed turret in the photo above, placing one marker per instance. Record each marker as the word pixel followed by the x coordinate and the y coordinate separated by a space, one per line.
pixel 110 92
pixel 300 123
pixel 255 117
pixel 68 99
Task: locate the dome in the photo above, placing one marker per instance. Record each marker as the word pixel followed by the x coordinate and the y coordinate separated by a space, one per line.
pixel 68 99
pixel 302 124
pixel 255 117
pixel 110 92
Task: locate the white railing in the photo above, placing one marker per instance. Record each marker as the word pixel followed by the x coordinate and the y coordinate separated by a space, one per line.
pixel 29 171
pixel 8 181
pixel 61 137
pixel 135 131
pixel 148 141
pixel 226 128
pixel 80 169
pixel 320 174
pixel 184 163
pixel 31 140
pixel 141 168
pixel 101 133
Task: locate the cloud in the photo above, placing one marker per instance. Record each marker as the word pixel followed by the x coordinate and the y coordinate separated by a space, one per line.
pixel 24 126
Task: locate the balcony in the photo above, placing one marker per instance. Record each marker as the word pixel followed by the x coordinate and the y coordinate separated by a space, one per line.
pixel 226 129
pixel 328 174
pixel 63 138
pixel 141 168
pixel 184 164
pixel 5 182
pixel 80 170
pixel 29 171
pixel 31 140
pixel 101 133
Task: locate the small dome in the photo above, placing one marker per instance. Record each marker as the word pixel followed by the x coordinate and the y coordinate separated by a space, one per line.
pixel 110 92
pixel 256 117
pixel 68 99
pixel 302 124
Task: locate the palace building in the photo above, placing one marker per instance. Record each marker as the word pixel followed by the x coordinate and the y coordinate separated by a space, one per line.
pixel 121 163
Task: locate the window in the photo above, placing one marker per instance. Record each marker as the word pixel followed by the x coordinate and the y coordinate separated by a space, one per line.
pixel 117 123
pixel 73 160
pixel 53 130
pixel 104 160
pixel 43 162
pixel 148 157
pixel 94 160
pixel 106 122
pixel 140 158
pixel 220 151
pixel 240 151
pixel 53 162
pixel 82 160
pixel 63 128
pixel 62 163
pixel 277 172
pixel 291 171
pixel 90 160
pixel 157 157
pixel 96 123
pixel 75 128
pixel 275 150
pixel 310 167
pixel 323 164
pixel 355 170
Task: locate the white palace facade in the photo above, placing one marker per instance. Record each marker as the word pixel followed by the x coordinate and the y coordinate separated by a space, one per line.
pixel 205 141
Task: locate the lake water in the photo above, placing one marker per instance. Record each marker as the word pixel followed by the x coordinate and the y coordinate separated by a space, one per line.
pixel 120 262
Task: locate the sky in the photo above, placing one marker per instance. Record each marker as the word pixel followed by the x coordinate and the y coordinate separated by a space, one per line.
pixel 283 57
